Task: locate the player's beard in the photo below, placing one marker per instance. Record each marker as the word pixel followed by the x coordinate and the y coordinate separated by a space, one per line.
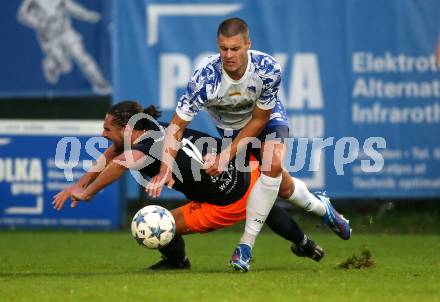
pixel 119 147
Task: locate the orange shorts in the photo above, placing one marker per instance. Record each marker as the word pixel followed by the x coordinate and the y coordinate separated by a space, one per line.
pixel 201 217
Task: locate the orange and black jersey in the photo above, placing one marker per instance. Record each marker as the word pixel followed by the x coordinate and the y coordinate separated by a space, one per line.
pixel 189 176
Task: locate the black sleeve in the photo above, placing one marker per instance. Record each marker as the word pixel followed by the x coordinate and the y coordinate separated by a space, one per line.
pixel 152 150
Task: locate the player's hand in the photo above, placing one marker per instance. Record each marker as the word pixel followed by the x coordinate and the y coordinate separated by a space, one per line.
pixel 154 187
pixel 214 164
pixel 60 199
pixel 77 195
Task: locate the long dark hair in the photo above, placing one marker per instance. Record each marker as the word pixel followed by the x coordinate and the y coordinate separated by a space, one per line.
pixel 123 111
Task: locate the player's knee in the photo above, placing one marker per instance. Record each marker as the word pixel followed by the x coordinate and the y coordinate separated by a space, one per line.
pixel 277 166
pixel 287 186
pixel 272 170
pixel 272 166
pixel 285 191
pixel 272 160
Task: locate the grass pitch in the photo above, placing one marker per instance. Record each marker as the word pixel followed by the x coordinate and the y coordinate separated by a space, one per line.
pixel 109 266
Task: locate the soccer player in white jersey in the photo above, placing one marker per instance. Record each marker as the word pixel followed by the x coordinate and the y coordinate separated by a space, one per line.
pixel 239 89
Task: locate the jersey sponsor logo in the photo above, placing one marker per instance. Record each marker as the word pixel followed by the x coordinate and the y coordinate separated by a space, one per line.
pixel 245 105
pixel 235 93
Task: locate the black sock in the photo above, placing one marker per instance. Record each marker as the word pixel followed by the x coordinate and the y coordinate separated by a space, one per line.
pixel 281 223
pixel 175 250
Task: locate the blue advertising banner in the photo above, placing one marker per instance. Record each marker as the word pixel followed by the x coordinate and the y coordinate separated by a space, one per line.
pixel 360 81
pixel 56 48
pixel 38 159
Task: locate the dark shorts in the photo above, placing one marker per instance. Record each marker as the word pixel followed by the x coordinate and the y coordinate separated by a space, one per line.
pixel 280 132
pixel 277 126
pixel 276 132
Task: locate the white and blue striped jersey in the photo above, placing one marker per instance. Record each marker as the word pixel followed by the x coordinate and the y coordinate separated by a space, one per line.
pixel 231 102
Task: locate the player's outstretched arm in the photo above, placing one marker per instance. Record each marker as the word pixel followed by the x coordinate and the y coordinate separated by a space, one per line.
pixel 114 170
pixel 61 198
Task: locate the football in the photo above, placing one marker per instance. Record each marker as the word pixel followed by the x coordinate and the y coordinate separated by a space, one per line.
pixel 153 227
